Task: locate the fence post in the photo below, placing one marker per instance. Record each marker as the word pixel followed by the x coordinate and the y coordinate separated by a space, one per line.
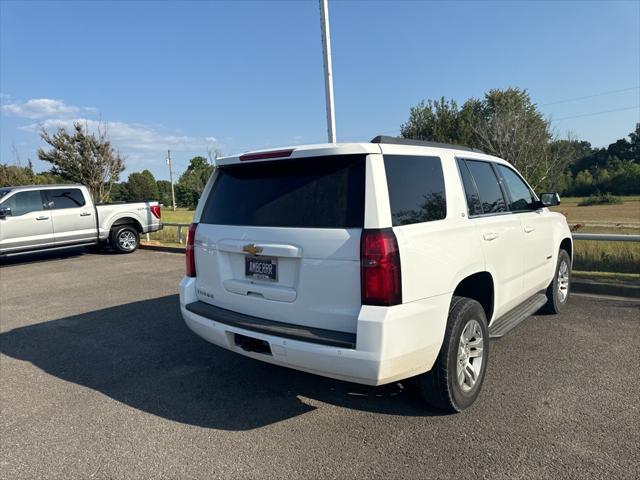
pixel 148 237
pixel 179 233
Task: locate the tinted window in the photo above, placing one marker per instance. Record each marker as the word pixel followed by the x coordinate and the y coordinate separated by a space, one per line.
pixel 65 198
pixel 416 189
pixel 521 198
pixel 470 190
pixel 24 202
pixel 322 192
pixel 488 187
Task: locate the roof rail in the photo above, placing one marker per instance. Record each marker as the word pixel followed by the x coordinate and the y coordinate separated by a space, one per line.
pixel 420 143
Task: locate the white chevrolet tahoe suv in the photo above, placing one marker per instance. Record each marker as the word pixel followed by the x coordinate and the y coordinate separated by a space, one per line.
pixel 373 262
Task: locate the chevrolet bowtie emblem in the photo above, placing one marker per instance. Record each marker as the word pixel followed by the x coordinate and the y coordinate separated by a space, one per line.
pixel 252 249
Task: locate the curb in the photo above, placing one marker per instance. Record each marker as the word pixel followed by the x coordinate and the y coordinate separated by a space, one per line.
pixel 615 289
pixel 161 248
pixel 578 284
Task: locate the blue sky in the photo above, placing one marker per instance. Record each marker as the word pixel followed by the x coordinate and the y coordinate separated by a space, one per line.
pixel 242 75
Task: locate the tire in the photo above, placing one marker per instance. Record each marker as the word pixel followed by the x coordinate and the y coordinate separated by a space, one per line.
pixel 559 288
pixel 124 239
pixel 441 387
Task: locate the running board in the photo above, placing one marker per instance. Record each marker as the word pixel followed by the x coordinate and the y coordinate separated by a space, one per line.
pixel 514 317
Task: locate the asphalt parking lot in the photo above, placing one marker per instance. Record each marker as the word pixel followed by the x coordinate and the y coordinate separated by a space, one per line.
pixel 101 379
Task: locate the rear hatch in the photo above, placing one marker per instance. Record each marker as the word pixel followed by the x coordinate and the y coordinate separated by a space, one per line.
pixel 280 240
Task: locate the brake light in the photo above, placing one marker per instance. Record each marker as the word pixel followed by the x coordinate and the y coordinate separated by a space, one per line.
pixel 190 253
pixel 380 268
pixel 155 209
pixel 265 155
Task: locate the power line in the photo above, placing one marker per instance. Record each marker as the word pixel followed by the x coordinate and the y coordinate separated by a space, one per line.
pixel 597 113
pixel 601 94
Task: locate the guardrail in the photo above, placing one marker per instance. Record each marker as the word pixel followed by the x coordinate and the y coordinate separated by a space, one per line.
pixel 598 237
pixel 606 237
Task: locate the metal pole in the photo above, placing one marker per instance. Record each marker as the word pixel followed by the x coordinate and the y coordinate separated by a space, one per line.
pixel 328 70
pixel 173 193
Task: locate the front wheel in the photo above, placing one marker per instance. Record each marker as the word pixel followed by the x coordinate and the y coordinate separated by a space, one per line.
pixel 455 380
pixel 558 289
pixel 125 239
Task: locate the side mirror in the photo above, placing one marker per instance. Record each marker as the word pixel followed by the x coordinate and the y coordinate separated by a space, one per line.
pixel 550 199
pixel 5 212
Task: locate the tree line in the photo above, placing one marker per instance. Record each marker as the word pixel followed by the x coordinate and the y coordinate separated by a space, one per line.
pixel 505 123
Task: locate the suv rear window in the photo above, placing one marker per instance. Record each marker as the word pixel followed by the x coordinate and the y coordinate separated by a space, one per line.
pixel 316 192
pixel 416 189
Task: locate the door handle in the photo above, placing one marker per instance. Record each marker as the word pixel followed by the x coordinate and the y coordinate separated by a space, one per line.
pixel 529 228
pixel 490 236
pixel 42 218
pixel 85 214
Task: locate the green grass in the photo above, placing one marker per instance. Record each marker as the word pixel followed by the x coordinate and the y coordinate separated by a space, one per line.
pixel 576 200
pixel 618 257
pixel 169 235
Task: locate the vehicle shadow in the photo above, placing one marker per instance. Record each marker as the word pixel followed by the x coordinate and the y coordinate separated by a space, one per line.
pixel 142 354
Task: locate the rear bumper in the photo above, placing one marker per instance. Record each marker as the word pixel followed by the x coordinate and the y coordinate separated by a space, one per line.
pixel 391 343
pixel 152 228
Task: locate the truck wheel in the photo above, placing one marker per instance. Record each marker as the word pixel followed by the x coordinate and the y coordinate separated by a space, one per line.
pixel 125 239
pixel 558 289
pixel 456 377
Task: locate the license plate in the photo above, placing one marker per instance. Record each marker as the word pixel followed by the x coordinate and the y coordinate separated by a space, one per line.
pixel 263 268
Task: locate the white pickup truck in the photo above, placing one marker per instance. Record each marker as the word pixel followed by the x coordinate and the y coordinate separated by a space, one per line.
pixel 39 217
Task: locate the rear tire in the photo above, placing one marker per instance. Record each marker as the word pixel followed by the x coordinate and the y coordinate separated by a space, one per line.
pixel 559 288
pixel 456 377
pixel 124 239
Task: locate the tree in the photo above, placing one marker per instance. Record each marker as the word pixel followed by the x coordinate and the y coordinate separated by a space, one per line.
pixel 192 182
pixel 13 175
pixel 83 157
pixel 164 189
pixel 505 123
pixel 142 186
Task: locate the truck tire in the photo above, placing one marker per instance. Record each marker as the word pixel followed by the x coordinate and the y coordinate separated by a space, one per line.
pixel 558 289
pixel 124 238
pixel 456 377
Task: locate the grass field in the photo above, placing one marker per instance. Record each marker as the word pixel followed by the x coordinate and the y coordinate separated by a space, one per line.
pixel 621 257
pixel 169 235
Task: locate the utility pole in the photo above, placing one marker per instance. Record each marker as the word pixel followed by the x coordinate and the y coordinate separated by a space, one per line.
pixel 173 193
pixel 328 70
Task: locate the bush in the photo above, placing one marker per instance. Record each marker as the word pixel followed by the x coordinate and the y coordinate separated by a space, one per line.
pixel 600 199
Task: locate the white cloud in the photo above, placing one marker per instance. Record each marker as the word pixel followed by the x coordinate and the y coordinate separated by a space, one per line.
pixel 144 146
pixel 129 136
pixel 41 108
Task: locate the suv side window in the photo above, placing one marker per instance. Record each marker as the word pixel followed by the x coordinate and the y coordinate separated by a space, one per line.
pixel 489 189
pixel 471 192
pixel 22 203
pixel 65 198
pixel 416 189
pixel 521 197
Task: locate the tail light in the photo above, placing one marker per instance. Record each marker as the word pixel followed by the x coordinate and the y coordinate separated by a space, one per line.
pixel 265 155
pixel 380 268
pixel 155 209
pixel 190 253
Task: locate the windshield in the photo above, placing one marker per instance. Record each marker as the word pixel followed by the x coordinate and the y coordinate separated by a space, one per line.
pixel 316 192
pixel 3 192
